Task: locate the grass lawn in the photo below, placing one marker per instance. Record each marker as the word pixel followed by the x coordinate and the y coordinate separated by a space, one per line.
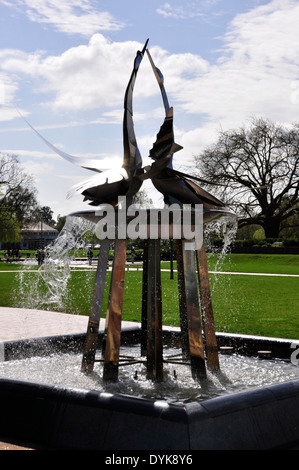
pixel 278 264
pixel 267 306
pixel 251 263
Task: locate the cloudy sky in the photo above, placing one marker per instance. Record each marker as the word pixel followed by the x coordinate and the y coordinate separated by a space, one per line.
pixel 65 65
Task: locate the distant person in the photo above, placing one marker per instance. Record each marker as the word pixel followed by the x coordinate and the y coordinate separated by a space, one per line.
pixel 40 257
pixel 132 254
pixel 90 256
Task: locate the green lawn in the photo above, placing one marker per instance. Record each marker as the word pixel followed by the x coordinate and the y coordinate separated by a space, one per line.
pixel 279 264
pixel 7 284
pixel 250 263
pixel 257 305
pixel 267 306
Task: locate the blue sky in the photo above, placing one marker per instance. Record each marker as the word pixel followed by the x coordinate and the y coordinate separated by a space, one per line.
pixel 65 66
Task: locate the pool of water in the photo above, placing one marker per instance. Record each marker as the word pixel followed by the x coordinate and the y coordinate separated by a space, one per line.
pixel 237 373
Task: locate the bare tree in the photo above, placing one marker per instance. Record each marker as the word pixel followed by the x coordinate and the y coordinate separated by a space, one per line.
pixel 17 199
pixel 256 172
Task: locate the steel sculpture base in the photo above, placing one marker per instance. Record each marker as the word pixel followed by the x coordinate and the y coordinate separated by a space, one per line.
pixel 198 337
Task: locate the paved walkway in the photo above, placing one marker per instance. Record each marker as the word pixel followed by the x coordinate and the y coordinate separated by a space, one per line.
pixel 138 266
pixel 22 323
pixel 253 274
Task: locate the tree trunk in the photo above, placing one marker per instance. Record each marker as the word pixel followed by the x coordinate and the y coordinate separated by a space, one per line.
pixel 271 227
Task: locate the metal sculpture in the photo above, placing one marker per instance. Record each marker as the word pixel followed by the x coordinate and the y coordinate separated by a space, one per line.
pixel 176 187
pixel 198 338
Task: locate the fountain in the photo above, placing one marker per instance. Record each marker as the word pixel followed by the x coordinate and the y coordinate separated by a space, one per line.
pixel 182 389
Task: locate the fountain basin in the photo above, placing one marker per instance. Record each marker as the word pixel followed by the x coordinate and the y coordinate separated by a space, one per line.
pixel 69 418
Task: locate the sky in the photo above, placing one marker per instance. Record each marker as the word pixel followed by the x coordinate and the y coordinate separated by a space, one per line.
pixel 64 65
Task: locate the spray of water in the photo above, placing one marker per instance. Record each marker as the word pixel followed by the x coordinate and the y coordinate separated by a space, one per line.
pixel 45 287
pixel 224 230
pixel 219 236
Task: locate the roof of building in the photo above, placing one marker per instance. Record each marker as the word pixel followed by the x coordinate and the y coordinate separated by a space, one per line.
pixel 39 227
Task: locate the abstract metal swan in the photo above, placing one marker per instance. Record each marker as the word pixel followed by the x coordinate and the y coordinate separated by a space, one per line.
pixel 106 188
pixel 106 185
pixel 176 187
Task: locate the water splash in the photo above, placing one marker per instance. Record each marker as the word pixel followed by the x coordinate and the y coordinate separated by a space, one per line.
pixel 219 236
pixel 46 287
pixel 223 229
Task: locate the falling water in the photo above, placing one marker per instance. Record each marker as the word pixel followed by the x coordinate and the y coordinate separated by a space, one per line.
pixel 224 229
pixel 46 287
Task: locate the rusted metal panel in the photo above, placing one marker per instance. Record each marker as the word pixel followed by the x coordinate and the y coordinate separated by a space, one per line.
pixel 154 313
pixel 144 300
pixel 107 310
pixel 96 309
pixel 196 346
pixel 112 348
pixel 182 300
pixel 207 309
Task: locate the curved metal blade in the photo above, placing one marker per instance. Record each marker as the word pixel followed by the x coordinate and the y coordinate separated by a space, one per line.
pixel 132 157
pixel 165 145
pixel 87 163
pixel 160 80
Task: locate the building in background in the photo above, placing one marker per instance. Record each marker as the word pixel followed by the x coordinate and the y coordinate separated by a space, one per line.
pixel 37 235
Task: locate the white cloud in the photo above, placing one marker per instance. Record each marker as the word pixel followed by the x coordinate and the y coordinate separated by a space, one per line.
pixel 256 74
pixel 8 88
pixel 95 75
pixel 187 10
pixel 37 169
pixel 6 114
pixel 82 77
pixel 257 71
pixel 178 12
pixel 29 153
pixel 77 17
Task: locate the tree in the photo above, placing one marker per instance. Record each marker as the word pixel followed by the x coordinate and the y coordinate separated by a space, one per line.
pixel 10 230
pixel 44 214
pixel 17 199
pixel 47 215
pixel 256 172
pixel 60 222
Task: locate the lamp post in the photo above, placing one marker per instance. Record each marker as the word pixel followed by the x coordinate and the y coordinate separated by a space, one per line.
pixel 41 229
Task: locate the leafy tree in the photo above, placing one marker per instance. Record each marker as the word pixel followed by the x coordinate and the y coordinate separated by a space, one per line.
pixel 10 230
pixel 45 214
pixel 256 171
pixel 60 222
